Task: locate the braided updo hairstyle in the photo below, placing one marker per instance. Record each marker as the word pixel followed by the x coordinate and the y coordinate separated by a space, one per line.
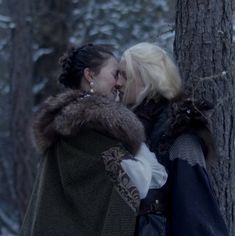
pixel 77 59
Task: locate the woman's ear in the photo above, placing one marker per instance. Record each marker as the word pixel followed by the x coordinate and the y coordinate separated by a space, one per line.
pixel 88 75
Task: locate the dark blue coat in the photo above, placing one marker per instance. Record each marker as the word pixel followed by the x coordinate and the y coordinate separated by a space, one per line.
pixel 186 206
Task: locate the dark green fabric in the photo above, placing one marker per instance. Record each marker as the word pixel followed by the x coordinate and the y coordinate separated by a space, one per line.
pixel 74 196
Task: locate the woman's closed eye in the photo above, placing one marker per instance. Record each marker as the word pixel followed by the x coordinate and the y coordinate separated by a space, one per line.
pixel 115 74
pixel 123 74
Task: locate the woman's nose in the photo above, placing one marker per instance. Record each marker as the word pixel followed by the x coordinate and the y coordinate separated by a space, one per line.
pixel 120 81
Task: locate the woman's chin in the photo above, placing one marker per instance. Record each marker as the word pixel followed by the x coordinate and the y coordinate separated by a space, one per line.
pixel 114 95
pixel 110 96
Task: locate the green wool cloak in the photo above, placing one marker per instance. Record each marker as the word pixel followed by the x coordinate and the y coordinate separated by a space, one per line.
pixel 81 189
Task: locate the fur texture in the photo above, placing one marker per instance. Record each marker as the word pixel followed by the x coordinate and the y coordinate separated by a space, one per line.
pixel 69 112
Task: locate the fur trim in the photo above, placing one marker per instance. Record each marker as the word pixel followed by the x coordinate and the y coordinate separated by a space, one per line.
pixel 69 112
pixel 188 116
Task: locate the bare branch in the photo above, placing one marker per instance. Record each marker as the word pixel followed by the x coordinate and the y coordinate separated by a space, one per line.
pixel 8 222
pixel 170 30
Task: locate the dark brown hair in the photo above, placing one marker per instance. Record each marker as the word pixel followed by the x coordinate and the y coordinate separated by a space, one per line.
pixel 75 60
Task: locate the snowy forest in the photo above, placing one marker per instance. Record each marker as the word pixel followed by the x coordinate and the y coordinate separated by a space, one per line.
pixel 199 34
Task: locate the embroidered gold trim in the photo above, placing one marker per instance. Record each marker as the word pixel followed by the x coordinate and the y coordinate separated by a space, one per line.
pixel 123 184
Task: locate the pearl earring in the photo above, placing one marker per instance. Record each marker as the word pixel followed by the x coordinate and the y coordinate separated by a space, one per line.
pixel 91 85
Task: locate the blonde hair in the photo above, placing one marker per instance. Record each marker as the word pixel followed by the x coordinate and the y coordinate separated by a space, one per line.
pixel 152 66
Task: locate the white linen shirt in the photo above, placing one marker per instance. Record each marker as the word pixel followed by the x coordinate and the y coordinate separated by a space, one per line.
pixel 145 171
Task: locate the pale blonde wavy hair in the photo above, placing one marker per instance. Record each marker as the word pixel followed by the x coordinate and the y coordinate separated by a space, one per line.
pixel 152 66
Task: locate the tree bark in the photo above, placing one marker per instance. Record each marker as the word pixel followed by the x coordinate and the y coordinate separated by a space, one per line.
pixel 21 101
pixel 52 29
pixel 203 50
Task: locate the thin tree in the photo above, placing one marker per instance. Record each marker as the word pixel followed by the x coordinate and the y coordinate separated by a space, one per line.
pixel 203 50
pixel 21 100
pixel 52 24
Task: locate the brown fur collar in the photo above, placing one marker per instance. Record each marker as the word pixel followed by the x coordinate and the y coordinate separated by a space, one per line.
pixel 66 113
pixel 185 115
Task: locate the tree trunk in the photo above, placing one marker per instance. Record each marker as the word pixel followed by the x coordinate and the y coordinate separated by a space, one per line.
pixel 21 100
pixel 203 50
pixel 52 28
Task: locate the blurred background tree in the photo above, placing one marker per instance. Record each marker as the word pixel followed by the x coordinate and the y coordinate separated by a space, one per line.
pixel 21 101
pixel 33 35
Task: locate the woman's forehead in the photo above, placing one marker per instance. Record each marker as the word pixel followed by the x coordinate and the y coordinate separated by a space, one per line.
pixel 112 63
pixel 122 64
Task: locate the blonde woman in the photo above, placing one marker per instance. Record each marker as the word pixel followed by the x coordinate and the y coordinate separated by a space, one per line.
pixel 177 132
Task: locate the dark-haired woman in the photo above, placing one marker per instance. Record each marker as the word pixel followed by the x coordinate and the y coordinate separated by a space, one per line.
pixel 86 184
pixel 177 131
